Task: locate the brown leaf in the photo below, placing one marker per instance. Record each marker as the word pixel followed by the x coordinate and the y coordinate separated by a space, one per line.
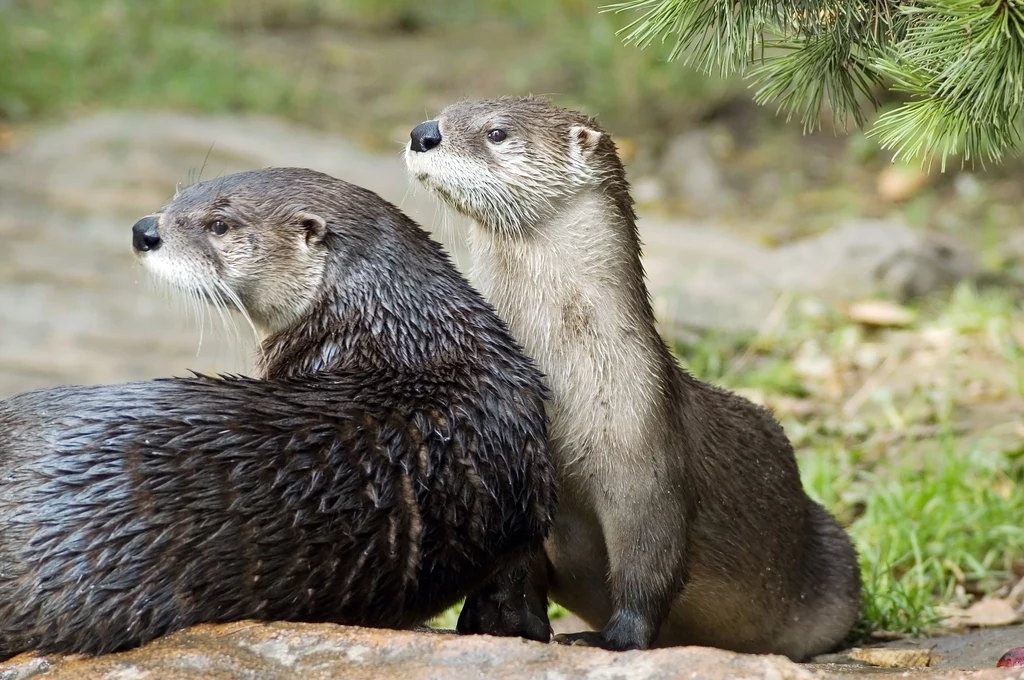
pixel 879 313
pixel 981 614
pixel 899 182
pixel 887 657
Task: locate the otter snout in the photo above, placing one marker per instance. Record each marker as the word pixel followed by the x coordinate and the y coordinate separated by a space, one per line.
pixel 145 235
pixel 425 136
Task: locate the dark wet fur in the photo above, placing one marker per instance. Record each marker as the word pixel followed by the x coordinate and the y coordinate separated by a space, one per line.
pixel 393 461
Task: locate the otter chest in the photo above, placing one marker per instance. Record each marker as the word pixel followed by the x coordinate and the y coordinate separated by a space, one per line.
pixel 565 309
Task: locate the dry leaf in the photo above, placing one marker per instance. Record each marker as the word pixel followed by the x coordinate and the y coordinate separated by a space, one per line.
pixel 879 313
pixel 887 657
pixel 900 182
pixel 981 614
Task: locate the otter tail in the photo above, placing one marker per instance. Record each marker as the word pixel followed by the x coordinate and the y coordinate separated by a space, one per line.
pixel 829 601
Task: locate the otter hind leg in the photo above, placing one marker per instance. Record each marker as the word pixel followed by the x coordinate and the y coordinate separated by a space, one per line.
pixel 830 598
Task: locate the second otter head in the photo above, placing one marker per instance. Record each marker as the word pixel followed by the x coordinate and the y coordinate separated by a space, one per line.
pixel 252 240
pixel 510 163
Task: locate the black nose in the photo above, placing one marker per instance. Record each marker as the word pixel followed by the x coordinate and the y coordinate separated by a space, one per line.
pixel 145 235
pixel 425 136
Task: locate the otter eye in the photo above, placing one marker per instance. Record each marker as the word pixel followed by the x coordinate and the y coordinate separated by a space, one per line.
pixel 219 227
pixel 497 135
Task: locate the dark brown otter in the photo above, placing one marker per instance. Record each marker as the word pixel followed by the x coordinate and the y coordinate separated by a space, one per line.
pixel 392 460
pixel 682 518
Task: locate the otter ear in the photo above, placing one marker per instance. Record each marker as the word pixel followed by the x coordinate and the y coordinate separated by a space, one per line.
pixel 584 139
pixel 314 226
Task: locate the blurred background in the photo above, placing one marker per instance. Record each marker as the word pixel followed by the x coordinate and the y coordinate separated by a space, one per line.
pixel 874 306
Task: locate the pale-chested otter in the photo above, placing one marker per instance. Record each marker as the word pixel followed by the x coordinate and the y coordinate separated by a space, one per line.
pixel 682 518
pixel 391 459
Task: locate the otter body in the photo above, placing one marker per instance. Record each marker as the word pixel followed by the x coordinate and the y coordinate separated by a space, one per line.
pixel 682 518
pixel 391 459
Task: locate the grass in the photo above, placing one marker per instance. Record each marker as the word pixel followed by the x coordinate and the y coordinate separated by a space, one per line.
pixel 63 56
pixel 285 57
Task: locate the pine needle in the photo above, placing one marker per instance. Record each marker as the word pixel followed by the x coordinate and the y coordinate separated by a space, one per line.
pixel 958 63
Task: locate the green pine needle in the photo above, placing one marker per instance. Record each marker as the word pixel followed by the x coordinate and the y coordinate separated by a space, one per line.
pixel 959 62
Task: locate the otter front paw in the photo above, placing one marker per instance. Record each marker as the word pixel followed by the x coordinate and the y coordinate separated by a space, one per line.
pixel 494 615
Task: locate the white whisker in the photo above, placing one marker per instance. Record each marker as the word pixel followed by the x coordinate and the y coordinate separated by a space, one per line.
pixel 234 299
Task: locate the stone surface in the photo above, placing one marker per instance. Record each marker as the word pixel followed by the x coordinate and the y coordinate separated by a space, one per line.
pixel 865 256
pixel 705 278
pixel 974 649
pixel 692 174
pixel 280 651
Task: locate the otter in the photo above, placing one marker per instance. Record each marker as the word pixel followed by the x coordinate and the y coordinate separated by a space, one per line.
pixel 389 459
pixel 682 518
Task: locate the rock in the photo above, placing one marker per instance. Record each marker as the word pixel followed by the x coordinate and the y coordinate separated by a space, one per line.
pixel 692 173
pixel 280 651
pixel 648 191
pixel 866 257
pixel 977 648
pixel 704 278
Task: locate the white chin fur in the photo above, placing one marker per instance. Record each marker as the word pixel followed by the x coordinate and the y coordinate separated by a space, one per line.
pixel 158 265
pixel 416 165
pixel 174 274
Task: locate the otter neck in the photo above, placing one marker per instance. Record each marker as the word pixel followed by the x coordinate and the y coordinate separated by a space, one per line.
pixel 578 274
pixel 374 314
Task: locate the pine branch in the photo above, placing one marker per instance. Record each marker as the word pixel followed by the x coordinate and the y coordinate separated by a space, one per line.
pixel 960 63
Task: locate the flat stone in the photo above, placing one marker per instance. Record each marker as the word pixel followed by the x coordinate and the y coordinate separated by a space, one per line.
pixel 280 651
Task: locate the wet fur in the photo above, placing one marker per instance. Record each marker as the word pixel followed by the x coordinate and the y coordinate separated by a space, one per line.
pixel 392 461
pixel 682 518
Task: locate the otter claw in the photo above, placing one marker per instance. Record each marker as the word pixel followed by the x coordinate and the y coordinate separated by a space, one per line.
pixel 585 639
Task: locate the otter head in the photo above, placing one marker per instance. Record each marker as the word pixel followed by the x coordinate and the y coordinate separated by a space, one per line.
pixel 252 241
pixel 510 163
